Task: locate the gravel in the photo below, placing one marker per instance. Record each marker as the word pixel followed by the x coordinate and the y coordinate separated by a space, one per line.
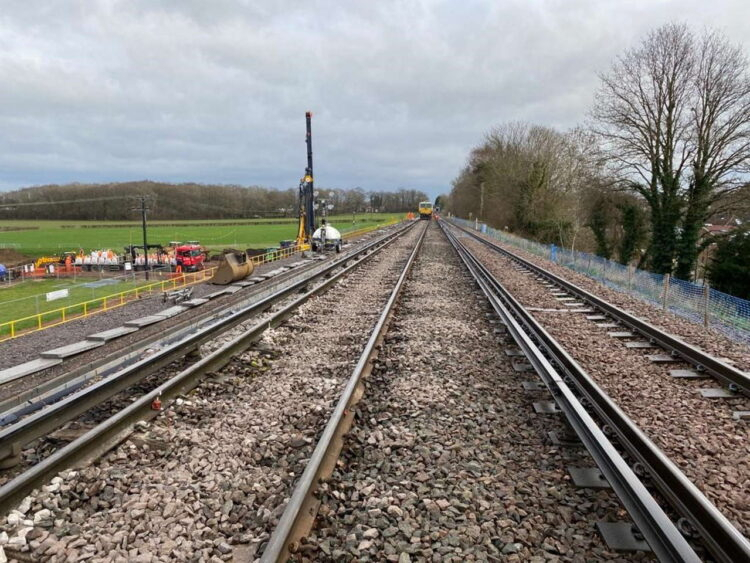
pixel 712 342
pixel 699 435
pixel 446 460
pixel 208 479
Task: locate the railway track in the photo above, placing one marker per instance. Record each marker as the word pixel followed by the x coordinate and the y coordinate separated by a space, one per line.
pixel 362 502
pixel 440 458
pixel 735 380
pixel 699 516
pixel 239 328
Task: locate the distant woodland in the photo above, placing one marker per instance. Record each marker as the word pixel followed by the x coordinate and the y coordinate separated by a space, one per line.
pixel 665 151
pixel 118 201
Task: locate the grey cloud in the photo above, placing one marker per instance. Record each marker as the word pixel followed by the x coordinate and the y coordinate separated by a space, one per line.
pixel 215 91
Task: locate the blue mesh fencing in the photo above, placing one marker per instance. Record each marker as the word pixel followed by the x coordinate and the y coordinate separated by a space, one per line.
pixel 699 303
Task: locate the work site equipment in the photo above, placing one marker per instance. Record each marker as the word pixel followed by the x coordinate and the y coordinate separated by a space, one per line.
pixel 326 238
pixel 233 267
pixel 306 211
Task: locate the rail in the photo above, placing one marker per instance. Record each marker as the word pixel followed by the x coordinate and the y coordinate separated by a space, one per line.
pixel 720 537
pixel 39 424
pixel 297 518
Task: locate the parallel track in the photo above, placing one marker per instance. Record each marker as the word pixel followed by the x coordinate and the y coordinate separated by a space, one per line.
pixel 297 518
pixel 105 434
pixel 736 379
pixel 563 375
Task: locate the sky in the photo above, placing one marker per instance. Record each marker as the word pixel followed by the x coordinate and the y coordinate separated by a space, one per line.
pixel 216 91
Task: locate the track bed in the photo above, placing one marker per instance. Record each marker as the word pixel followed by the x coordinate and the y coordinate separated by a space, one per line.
pixel 446 460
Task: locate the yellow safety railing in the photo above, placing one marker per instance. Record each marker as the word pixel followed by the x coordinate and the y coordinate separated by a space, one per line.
pixel 366 230
pixel 55 317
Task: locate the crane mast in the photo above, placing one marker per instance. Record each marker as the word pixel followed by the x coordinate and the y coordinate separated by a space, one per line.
pixel 306 192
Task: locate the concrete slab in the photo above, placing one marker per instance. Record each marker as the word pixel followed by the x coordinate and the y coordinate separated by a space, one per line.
pixel 621 334
pixel 72 349
pixel 619 536
pixel 232 289
pixel 588 478
pixel 27 368
pixel 565 298
pixel 144 321
pixel 717 393
pixel 573 304
pixel 171 312
pixel 195 302
pixel 607 325
pixel 545 407
pixel 581 310
pixel 662 358
pixel 259 278
pixel 640 344
pixel 216 294
pixel 596 318
pixel 112 333
pixel 688 374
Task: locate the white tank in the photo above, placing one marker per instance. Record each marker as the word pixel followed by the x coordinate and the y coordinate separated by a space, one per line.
pixel 332 233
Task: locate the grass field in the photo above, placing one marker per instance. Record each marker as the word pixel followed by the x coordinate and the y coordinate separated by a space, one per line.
pixel 46 238
pixel 28 298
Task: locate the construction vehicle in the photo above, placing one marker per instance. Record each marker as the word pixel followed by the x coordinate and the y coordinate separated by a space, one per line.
pixel 425 210
pixel 62 259
pixel 236 265
pixel 190 256
pixel 309 235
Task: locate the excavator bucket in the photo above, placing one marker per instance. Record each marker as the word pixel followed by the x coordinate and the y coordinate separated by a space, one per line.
pixel 233 267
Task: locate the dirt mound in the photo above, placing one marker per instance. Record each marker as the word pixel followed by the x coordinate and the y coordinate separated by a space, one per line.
pixel 11 258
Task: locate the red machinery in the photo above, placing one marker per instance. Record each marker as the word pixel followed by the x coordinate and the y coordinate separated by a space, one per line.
pixel 190 257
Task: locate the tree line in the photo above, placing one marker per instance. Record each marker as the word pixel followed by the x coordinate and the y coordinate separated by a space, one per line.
pixel 119 201
pixel 665 150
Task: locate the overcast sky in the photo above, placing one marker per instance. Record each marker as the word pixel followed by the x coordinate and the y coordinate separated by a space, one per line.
pixel 216 90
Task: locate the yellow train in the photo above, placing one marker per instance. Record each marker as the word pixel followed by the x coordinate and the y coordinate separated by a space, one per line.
pixel 425 210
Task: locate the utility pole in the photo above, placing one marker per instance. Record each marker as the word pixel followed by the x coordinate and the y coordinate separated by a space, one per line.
pixel 481 201
pixel 143 210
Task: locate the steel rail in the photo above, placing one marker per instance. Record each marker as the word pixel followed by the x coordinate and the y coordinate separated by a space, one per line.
pixel 42 422
pixel 719 536
pixel 736 379
pixel 296 520
pixel 659 531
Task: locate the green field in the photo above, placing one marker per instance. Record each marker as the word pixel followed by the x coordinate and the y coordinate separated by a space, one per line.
pixel 26 299
pixel 45 238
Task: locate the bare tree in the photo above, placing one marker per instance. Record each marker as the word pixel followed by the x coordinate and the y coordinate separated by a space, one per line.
pixel 641 112
pixel 720 137
pixel 674 116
